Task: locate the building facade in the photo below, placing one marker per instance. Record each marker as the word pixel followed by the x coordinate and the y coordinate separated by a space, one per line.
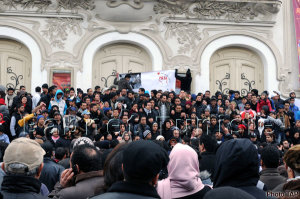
pixel 236 44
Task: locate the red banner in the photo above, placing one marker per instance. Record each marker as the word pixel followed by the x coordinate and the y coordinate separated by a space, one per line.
pixel 62 79
pixel 296 4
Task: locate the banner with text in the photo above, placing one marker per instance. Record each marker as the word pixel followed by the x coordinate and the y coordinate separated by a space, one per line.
pixel 296 4
pixel 159 80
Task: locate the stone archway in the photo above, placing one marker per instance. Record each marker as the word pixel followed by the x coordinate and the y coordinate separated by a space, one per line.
pixel 84 77
pixel 119 58
pixel 266 55
pixel 236 68
pixel 15 62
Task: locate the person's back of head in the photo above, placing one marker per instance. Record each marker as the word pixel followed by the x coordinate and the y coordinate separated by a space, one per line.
pixel 236 164
pixel 60 153
pixel 143 160
pixel 87 158
pixel 38 89
pixel 292 159
pixel 113 165
pixel 208 142
pixel 48 147
pixel 270 157
pixel 23 157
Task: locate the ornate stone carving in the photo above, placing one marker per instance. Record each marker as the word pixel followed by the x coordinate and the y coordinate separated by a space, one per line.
pixel 211 10
pixel 136 4
pixel 40 5
pixel 75 4
pixel 188 35
pixel 58 29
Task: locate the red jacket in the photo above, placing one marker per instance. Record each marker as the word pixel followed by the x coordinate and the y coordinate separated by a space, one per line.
pixel 262 103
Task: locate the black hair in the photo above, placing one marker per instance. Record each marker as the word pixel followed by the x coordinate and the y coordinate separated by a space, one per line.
pixel 270 156
pixel 186 139
pixel 38 89
pixel 45 86
pixel 113 166
pixel 209 143
pixel 11 89
pixel 142 89
pixel 48 148
pixel 22 87
pixel 97 87
pixel 60 152
pixel 88 90
pixel 87 157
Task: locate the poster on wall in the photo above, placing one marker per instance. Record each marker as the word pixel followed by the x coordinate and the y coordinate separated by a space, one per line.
pixel 159 80
pixel 62 79
pixel 296 4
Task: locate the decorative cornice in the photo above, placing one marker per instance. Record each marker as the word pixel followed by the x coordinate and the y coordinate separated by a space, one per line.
pixel 230 10
pixel 40 5
pixel 188 35
pixel 136 4
pixel 58 29
pixel 74 5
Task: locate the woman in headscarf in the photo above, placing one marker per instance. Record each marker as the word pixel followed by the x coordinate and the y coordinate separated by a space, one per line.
pixel 183 181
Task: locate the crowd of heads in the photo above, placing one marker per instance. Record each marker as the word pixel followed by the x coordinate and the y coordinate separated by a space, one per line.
pixel 101 128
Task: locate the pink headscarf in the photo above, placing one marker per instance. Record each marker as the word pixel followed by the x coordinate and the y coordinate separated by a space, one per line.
pixel 183 171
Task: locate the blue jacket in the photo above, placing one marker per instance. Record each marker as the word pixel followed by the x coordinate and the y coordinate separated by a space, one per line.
pixel 62 105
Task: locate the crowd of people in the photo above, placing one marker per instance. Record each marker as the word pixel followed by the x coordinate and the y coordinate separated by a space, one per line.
pixel 115 143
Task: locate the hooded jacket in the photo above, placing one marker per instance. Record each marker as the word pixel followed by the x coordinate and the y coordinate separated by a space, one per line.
pixel 237 166
pixel 62 105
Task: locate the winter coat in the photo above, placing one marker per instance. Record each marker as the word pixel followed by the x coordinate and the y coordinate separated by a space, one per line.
pixel 207 162
pixel 262 103
pixel 237 166
pixel 129 190
pixel 86 185
pixel 51 173
pixel 271 178
pixel 123 83
pixel 62 105
pixel 21 187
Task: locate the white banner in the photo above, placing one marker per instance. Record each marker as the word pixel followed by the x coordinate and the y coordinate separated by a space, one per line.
pixel 159 80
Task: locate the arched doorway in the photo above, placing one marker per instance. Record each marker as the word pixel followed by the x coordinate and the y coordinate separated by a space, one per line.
pixel 236 68
pixel 15 62
pixel 118 58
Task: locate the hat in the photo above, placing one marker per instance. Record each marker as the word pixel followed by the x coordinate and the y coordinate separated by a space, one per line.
pixel 146 133
pixel 188 102
pixel 105 89
pixel 241 126
pixel 159 137
pixel 39 117
pixel 56 113
pixel 81 141
pixel 53 130
pixel 2 101
pixel 253 135
pixel 151 159
pixel 86 112
pixel 277 92
pixel 24 151
pixel 73 108
pixel 127 76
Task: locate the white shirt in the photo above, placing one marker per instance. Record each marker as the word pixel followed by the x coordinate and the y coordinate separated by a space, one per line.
pixel 35 100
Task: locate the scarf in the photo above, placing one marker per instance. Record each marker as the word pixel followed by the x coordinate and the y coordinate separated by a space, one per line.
pixel 184 172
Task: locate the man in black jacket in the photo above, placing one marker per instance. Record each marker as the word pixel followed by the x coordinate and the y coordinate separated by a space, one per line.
pixel 52 171
pixel 140 176
pixel 23 163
